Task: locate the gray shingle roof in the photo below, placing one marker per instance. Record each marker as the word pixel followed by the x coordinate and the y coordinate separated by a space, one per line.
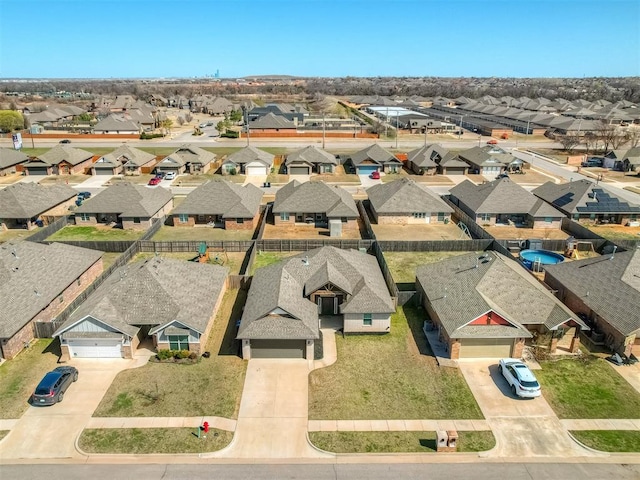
pixel 32 275
pixel 222 198
pixel 311 155
pixel 10 157
pixel 116 123
pixel 157 291
pixel 579 197
pixel 427 156
pixel 283 287
pixel 315 197
pixel 107 161
pixel 404 197
pixel 128 200
pixel 502 196
pixel 608 286
pixel 487 155
pixel 131 155
pixel 460 293
pixel 272 121
pixel 61 153
pixel 28 200
pixel 375 153
pixel 250 154
pixel 188 154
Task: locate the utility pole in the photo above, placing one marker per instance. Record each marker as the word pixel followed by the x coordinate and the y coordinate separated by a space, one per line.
pixel 425 133
pixel 386 125
pixel 246 122
pixel 397 130
pixel 323 131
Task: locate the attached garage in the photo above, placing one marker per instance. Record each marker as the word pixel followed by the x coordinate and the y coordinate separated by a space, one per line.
pixel 367 169
pixel 486 347
pixel 455 171
pixel 299 171
pixel 255 170
pixel 95 348
pixel 278 348
pixel 104 171
pixel 38 171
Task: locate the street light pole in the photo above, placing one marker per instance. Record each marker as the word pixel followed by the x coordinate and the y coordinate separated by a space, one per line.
pixel 246 122
pixel 425 133
pixel 397 129
pixel 323 131
pixel 460 132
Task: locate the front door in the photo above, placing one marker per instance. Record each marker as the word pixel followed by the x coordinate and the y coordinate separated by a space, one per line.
pixel 328 306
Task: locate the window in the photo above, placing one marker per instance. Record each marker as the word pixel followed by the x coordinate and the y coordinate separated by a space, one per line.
pixel 136 219
pixel 284 216
pixel 548 220
pixel 576 216
pixel 419 215
pixel 84 217
pixel 592 216
pixel 344 219
pixel 178 342
pixel 367 320
pixel 201 218
pixel 183 218
pixel 239 220
pixel 485 217
pixel 441 216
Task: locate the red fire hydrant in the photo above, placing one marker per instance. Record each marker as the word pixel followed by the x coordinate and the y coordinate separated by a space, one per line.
pixel 205 427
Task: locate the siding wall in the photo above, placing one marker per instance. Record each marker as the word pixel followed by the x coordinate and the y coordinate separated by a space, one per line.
pixel 380 323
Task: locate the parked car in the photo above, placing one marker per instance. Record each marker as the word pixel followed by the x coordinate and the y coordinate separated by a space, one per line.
pixel 502 175
pixel 84 195
pixel 170 176
pixel 493 141
pixel 51 388
pixel 375 175
pixel 202 125
pixel 593 162
pixel 155 181
pixel 66 140
pixel 161 174
pixel 522 380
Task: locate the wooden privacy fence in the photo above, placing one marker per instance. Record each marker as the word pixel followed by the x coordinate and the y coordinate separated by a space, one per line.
pixel 50 229
pixel 476 230
pixel 386 273
pixel 302 245
pixel 365 220
pixel 434 245
pixel 193 246
pixel 264 214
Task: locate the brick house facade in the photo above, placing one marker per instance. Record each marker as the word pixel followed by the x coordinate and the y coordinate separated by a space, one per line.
pixel 347 223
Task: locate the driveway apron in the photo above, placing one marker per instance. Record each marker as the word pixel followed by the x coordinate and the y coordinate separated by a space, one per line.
pixel 272 422
pixel 522 427
pixel 51 432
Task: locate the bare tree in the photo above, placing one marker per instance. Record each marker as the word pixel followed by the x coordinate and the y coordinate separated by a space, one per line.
pixel 610 135
pixel 569 141
pixel 590 140
pixel 633 137
pixel 188 117
pixel 180 120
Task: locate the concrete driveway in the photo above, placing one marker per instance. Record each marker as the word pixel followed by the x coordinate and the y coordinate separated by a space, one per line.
pixel 631 373
pixel 367 181
pixel 51 432
pixel 95 181
pixel 257 180
pixel 32 179
pixel 273 417
pixel 522 427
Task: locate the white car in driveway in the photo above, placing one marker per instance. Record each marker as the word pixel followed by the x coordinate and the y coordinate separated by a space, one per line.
pixel 520 378
pixel 170 176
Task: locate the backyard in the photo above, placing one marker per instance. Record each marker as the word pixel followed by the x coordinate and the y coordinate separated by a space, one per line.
pixel 435 231
pixel 587 387
pixel 615 231
pixel 262 259
pixel 213 386
pixel 402 265
pixel 300 231
pixel 15 234
pixel 95 234
pixel 231 260
pixel 392 376
pixel 204 233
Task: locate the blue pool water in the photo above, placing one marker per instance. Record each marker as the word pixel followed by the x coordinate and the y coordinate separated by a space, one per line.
pixel 546 257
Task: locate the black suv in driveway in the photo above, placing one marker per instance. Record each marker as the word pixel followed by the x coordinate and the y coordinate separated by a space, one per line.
pixel 51 388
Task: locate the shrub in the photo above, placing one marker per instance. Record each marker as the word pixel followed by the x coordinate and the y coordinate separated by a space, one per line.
pixel 193 356
pixel 180 354
pixel 164 354
pixel 149 136
pixel 230 134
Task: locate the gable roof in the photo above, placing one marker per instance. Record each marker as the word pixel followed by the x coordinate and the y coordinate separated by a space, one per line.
pixel 64 153
pixel 502 196
pixel 32 275
pixel 315 197
pixel 375 153
pixel 10 157
pixel 312 155
pixel 271 121
pixel 427 155
pixel 28 200
pixel 189 154
pixel 609 285
pixel 487 155
pixel 157 291
pixel 222 198
pixel 284 286
pixel 405 196
pixel 584 197
pixel 462 288
pixel 127 199
pixel 250 154
pixel 116 123
pixel 131 155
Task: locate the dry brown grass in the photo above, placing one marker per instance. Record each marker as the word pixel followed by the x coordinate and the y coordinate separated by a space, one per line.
pixel 434 231
pixel 304 232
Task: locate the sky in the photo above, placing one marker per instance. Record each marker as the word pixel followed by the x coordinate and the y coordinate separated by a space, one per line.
pixel 331 38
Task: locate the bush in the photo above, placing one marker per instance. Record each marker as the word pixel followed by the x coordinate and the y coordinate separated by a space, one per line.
pixel 230 134
pixel 149 136
pixel 164 354
pixel 193 356
pixel 180 354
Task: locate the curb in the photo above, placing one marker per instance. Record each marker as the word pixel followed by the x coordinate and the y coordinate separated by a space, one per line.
pixel 593 450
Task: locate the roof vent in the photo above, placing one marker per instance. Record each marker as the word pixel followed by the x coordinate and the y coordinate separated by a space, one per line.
pixel 305 261
pixel 38 294
pixel 15 254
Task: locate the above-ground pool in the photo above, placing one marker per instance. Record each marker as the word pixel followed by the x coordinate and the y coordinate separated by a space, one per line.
pixel 545 257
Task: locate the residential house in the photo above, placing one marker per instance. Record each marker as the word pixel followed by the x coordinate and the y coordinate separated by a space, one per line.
pixel 118 124
pixel 315 203
pixel 309 160
pixel 588 202
pixel 10 159
pixel 172 301
pixel 432 159
pixel 488 160
pixel 248 161
pixel 287 300
pixel 293 113
pixel 405 202
pixel 606 290
pixel 60 160
pixel 503 202
pixel 107 165
pixel 187 159
pixel 624 160
pixel 487 305
pixel 37 282
pixel 134 161
pixel 25 205
pixel 373 159
pixel 218 106
pixel 272 123
pixel 220 204
pixel 127 205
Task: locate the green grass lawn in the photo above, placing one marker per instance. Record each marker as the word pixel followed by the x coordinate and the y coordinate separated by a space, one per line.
pixel 138 441
pixel 392 376
pixel 587 388
pixel 403 264
pixel 614 233
pixel 109 258
pixel 396 442
pixel 4 433
pixel 610 440
pixel 34 152
pixel 73 232
pixel 262 259
pixel 19 376
pixel 167 234
pixel 211 387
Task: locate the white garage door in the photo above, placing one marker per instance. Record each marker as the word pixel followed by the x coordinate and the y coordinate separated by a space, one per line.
pixel 486 347
pixel 99 348
pixel 256 171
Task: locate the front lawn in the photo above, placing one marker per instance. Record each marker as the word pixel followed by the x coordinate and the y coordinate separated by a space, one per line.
pixel 64 179
pixel 137 441
pixel 77 233
pixel 587 388
pixel 390 376
pixel 211 387
pixel 262 259
pixel 3 433
pixel 396 442
pixel 20 376
pixel 609 440
pixel 168 234
pixel 403 264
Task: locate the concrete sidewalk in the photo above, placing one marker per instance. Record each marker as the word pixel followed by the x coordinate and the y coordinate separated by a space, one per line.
pixel 220 423
pixel 601 424
pixel 396 425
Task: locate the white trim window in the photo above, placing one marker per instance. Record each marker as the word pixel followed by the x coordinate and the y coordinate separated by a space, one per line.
pixel 367 319
pixel 419 215
pixel 183 218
